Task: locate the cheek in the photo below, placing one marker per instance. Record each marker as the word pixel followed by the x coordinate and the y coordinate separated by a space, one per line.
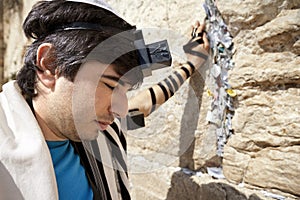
pixel 111 102
pixel 102 100
pixel 83 100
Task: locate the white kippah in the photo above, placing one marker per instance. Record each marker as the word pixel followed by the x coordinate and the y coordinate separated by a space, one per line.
pixel 98 3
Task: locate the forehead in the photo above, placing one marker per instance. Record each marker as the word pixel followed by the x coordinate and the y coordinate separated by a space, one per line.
pixel 105 71
pixel 110 71
pixel 94 71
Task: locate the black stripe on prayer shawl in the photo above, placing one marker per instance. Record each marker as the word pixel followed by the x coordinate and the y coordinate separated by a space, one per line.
pixel 121 135
pixel 118 156
pixel 84 160
pixel 123 141
pixel 95 148
pixel 110 138
pixel 116 150
pixel 119 164
pixel 115 127
pixel 124 193
pixel 92 158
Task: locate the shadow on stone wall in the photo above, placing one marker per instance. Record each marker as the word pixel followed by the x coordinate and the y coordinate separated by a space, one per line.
pixel 189 121
pixel 184 187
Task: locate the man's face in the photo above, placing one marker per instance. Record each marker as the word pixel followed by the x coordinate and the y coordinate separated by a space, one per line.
pixel 89 104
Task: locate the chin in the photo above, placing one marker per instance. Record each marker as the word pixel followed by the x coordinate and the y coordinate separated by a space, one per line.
pixel 88 137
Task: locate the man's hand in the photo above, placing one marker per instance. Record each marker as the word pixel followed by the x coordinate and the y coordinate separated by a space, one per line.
pixel 197 49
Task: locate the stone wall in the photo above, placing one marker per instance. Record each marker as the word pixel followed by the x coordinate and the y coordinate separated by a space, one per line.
pixel 1 42
pixel 263 153
pixel 14 13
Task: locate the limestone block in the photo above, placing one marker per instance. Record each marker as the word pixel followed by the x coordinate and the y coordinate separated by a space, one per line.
pixel 266 139
pixel 186 187
pixel 151 185
pixel 235 164
pixel 163 14
pixel 14 39
pixel 204 154
pixel 276 168
pixel 250 14
pixel 1 44
pixel 296 47
pixel 281 33
pixel 270 117
pixel 268 69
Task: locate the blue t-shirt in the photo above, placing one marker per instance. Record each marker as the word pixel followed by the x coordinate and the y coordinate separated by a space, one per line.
pixel 70 175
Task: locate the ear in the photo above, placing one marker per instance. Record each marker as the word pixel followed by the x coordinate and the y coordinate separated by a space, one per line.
pixel 44 61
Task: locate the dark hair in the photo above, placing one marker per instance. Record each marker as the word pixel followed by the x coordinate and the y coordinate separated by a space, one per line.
pixel 72 46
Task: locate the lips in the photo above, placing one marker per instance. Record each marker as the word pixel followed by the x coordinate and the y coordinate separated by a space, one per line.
pixel 103 125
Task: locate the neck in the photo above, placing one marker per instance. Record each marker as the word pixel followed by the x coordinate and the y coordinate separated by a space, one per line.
pixel 49 134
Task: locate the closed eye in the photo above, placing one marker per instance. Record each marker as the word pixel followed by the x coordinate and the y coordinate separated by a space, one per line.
pixel 109 86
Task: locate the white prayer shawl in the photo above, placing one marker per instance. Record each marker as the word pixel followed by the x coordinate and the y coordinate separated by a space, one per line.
pixel 23 150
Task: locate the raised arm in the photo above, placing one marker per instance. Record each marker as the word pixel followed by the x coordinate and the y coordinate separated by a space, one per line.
pixel 196 51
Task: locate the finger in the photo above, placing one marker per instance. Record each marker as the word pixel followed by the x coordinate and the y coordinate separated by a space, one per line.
pixel 205 41
pixel 195 28
pixel 204 23
pixel 196 25
pixel 201 27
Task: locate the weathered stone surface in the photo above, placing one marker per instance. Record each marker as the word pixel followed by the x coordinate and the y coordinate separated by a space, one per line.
pixel 204 154
pixel 263 112
pixel 249 14
pixel 151 185
pixel 14 39
pixel 283 174
pixel 281 33
pixel 269 69
pixel 235 164
pixel 264 149
pixel 260 126
pixel 269 168
pixel 186 187
pixel 1 43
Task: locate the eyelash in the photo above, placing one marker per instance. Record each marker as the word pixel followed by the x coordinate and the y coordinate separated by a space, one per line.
pixel 110 87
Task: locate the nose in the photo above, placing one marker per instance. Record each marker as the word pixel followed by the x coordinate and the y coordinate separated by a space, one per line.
pixel 119 104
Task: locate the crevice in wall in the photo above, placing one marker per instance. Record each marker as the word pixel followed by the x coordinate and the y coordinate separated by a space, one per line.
pixel 273 86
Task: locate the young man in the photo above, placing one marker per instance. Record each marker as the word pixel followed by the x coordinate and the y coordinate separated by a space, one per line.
pixel 60 136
